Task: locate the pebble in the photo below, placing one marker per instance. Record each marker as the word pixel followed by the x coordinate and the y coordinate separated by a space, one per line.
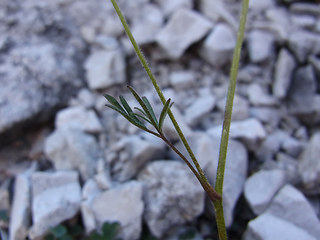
pixel 260 45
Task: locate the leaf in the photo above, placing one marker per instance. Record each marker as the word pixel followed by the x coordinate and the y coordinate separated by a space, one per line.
pixel 150 110
pixel 59 231
pixel 4 215
pixel 144 107
pixel 114 103
pixel 164 112
pixel 110 230
pixel 66 237
pixel 125 104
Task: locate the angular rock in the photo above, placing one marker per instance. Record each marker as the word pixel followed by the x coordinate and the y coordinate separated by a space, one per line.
pixel 146 26
pixel 250 131
pixel 122 204
pixel 71 149
pixel 218 11
pixel 89 192
pixel 206 150
pixel 34 82
pixel 105 69
pixel 283 73
pixel 309 165
pixel 78 118
pixel 199 108
pixel 258 96
pixel 261 187
pixel 260 45
pixel 304 43
pixel 172 195
pixel 218 47
pixel 240 109
pixel 134 152
pixel 302 91
pixel 170 6
pixel 292 206
pixel 280 23
pixel 260 5
pixel 21 207
pixel 184 28
pixel 269 227
pixel 50 203
pixel 269 116
pixel 182 79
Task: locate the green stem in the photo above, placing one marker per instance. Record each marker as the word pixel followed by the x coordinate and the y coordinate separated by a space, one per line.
pixel 226 123
pixel 157 88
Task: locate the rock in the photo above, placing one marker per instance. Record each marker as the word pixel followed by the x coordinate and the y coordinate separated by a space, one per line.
pixel 258 96
pixel 4 196
pixel 249 131
pixel 304 43
pixel 218 47
pixel 261 187
pixel 105 69
pixel 280 23
pixel 260 5
pixel 309 165
pixel 50 203
pixel 302 92
pixel 181 80
pixel 283 73
pixel 206 150
pixel 269 116
pixel 85 98
pixel 218 11
pixel 269 227
pixel 170 6
pixel 199 108
pixel 305 8
pixel 303 21
pixel 169 129
pixel 122 204
pixel 78 118
pixel 240 109
pixel 34 83
pixel 172 196
pixel 260 45
pixel 184 28
pixel 21 207
pixel 146 26
pixel 89 192
pixel 134 152
pixel 71 149
pixel 292 206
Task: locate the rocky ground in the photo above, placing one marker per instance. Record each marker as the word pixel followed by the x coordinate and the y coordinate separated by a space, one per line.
pixel 65 158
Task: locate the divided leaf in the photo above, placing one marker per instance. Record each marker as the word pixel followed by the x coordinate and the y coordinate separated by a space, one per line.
pixel 164 113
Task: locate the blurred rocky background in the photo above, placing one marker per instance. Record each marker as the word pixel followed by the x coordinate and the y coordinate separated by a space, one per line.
pixel 66 159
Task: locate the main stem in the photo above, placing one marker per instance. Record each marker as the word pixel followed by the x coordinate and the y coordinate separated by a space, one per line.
pixel 218 205
pixel 157 88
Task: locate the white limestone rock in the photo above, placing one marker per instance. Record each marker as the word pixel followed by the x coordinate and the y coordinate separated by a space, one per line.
pixel 71 149
pixel 134 152
pixel 309 165
pixel 146 26
pixel 261 187
pixel 218 47
pixel 261 5
pixel 304 43
pixel 218 11
pixel 249 131
pixel 181 80
pixel 259 97
pixel 240 109
pixel 21 207
pixel 172 195
pixel 122 204
pixel 199 108
pixel 291 205
pixel 206 150
pixel 260 45
pixel 78 118
pixel 170 6
pixel 269 227
pixel 56 197
pixel 105 68
pixel 184 28
pixel 283 73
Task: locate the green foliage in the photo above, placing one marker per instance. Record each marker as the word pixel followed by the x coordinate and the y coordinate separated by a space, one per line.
pixel 145 113
pixel 4 215
pixel 109 232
